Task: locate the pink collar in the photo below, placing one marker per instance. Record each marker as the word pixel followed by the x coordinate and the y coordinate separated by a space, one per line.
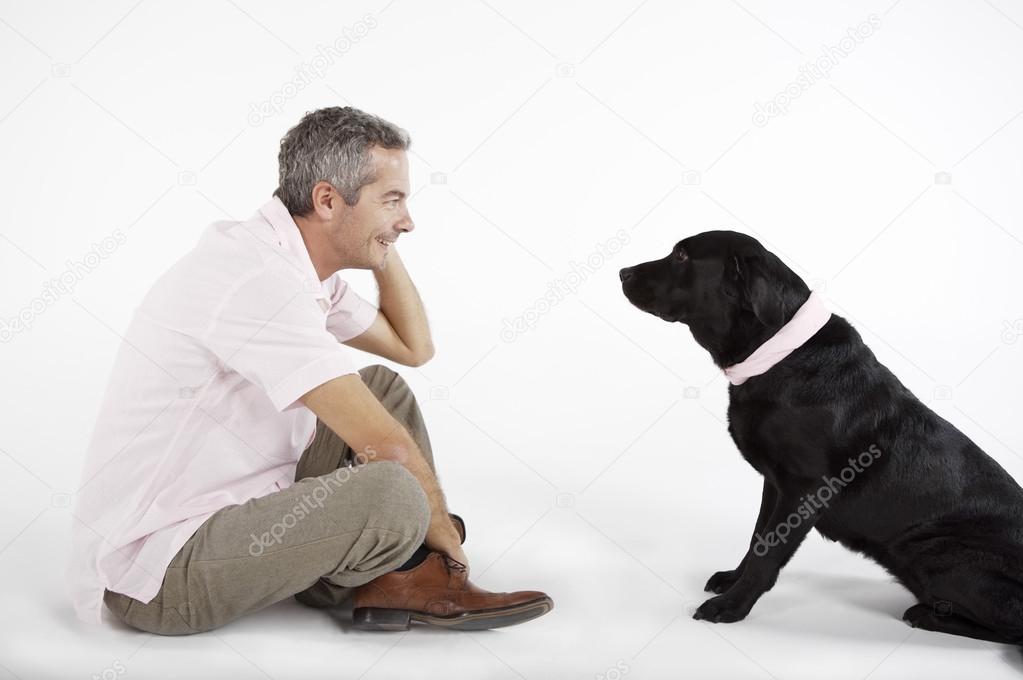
pixel 808 319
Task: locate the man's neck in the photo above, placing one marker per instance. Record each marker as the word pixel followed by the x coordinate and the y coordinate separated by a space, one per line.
pixel 314 236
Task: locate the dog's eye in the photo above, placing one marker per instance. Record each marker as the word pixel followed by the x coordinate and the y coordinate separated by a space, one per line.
pixel 681 255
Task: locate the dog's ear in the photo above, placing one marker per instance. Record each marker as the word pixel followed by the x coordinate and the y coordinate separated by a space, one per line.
pixel 761 288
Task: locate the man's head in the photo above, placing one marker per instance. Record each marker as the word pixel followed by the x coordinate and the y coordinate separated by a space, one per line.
pixel 344 178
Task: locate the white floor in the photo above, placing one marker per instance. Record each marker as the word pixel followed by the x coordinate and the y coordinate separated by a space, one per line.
pixel 625 564
pixel 613 615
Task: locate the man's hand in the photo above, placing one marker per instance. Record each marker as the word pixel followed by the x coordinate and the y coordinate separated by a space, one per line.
pixel 447 539
pixel 400 331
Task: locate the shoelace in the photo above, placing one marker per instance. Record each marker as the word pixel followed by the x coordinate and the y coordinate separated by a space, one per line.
pixel 452 564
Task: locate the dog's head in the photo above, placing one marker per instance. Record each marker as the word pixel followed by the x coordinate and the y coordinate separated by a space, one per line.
pixel 728 288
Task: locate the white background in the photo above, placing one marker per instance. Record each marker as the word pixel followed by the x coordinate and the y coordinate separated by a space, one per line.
pixel 540 129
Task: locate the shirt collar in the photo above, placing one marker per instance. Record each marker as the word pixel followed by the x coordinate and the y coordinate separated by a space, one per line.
pixel 289 236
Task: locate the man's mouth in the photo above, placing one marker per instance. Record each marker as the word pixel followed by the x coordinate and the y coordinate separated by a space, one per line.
pixel 384 242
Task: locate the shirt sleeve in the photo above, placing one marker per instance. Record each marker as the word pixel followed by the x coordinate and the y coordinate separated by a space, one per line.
pixel 272 332
pixel 350 314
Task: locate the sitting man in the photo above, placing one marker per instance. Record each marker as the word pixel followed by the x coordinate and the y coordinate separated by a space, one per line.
pixel 239 458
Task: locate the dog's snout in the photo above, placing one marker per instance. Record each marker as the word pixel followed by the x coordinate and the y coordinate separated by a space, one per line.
pixel 625 274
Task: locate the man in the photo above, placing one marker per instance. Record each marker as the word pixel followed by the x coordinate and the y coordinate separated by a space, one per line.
pixel 232 382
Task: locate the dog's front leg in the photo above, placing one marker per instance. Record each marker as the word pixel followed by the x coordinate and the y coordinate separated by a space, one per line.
pixel 786 527
pixel 721 581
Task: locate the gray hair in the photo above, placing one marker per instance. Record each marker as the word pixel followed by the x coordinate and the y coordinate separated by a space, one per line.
pixel 332 145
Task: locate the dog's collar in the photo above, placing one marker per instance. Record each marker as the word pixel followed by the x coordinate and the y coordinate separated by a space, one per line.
pixel 808 319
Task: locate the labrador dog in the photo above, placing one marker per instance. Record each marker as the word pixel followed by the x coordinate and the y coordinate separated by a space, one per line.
pixel 843 447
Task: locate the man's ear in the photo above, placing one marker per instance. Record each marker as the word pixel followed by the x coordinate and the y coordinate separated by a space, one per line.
pixel 326 199
pixel 761 290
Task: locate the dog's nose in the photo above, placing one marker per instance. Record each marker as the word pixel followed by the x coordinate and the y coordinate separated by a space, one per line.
pixel 625 274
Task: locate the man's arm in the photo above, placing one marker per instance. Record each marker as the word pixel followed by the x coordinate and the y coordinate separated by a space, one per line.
pixel 400 331
pixel 348 408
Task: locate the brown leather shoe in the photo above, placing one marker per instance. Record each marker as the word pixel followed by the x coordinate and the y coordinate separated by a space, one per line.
pixel 438 592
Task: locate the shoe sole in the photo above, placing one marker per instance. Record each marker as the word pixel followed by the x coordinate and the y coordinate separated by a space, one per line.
pixel 375 618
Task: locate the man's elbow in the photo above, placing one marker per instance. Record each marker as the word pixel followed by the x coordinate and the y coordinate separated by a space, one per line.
pixel 420 357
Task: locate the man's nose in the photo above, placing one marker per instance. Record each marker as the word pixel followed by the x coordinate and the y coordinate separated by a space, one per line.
pixel 625 274
pixel 406 224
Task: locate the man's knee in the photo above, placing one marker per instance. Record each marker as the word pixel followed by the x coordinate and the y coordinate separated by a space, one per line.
pixel 395 498
pixel 158 619
pixel 394 516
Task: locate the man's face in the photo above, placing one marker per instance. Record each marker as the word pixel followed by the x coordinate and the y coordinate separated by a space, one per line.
pixel 362 234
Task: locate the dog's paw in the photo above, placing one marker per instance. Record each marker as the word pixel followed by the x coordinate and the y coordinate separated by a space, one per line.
pixel 916 614
pixel 926 615
pixel 721 609
pixel 721 581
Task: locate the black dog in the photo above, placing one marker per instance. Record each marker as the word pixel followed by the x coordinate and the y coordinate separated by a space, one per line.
pixel 844 448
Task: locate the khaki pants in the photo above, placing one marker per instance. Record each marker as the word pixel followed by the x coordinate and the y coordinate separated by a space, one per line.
pixel 359 522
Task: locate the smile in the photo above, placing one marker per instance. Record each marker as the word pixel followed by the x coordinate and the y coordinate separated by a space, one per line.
pixel 385 243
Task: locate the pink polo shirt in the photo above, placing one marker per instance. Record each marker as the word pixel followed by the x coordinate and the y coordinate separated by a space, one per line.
pixel 201 409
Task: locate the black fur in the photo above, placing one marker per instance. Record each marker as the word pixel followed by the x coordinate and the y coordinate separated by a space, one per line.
pixel 925 502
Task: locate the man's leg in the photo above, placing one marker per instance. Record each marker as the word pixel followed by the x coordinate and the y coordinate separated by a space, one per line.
pixel 353 525
pixel 329 452
pixel 430 587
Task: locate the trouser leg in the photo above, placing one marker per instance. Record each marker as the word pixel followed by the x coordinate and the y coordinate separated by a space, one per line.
pixel 350 526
